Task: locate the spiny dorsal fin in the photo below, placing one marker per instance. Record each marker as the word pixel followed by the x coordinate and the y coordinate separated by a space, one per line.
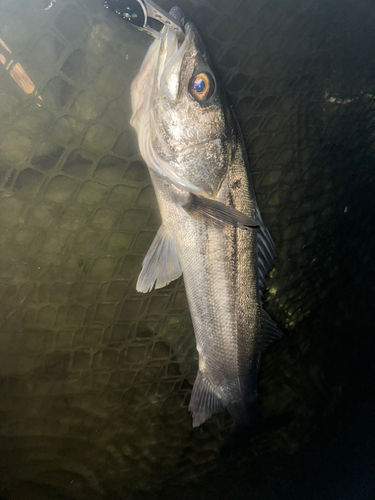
pixel 214 211
pixel 203 403
pixel 161 264
pixel 266 250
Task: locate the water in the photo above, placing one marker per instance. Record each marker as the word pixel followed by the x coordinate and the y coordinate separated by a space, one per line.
pixel 96 378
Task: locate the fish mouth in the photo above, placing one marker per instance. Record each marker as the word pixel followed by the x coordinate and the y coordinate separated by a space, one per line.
pixel 171 54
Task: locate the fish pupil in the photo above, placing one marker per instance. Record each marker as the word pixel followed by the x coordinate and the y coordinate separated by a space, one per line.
pixel 199 85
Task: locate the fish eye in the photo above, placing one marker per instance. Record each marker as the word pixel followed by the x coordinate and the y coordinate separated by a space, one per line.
pixel 202 86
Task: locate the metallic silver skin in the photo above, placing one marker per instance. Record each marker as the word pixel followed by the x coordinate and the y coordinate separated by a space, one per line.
pixel 195 148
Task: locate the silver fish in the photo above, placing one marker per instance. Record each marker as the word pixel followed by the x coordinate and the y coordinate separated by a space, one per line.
pixel 212 230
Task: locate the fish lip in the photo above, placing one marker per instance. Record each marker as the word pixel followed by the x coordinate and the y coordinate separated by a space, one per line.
pixel 190 31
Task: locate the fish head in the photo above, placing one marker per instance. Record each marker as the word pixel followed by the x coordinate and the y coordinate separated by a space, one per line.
pixel 187 133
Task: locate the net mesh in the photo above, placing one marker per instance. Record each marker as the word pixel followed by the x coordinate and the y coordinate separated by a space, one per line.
pixel 95 378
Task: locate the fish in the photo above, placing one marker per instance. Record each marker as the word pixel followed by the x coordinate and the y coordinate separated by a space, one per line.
pixel 212 231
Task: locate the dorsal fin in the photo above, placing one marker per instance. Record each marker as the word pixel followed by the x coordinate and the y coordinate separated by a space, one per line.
pixel 266 250
pixel 269 330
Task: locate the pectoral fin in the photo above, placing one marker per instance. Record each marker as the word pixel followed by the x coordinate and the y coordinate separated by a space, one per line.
pixel 161 264
pixel 214 211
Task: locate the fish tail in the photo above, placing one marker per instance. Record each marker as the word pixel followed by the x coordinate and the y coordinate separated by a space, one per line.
pixel 241 418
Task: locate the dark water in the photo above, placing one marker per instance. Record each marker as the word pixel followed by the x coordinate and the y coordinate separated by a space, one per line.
pixel 95 378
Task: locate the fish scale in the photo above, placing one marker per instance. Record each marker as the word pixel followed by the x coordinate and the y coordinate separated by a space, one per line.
pixel 208 238
pixel 82 353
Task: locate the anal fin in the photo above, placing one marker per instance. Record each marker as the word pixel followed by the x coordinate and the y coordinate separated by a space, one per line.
pixel 161 264
pixel 203 403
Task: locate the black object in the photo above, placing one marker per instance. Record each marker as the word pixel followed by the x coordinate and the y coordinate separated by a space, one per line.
pixel 138 12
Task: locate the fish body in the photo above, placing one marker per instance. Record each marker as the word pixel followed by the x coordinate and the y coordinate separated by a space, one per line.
pixel 212 230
